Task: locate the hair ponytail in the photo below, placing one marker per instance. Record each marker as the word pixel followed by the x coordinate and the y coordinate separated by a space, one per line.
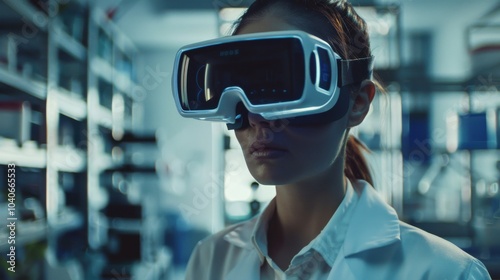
pixel 356 166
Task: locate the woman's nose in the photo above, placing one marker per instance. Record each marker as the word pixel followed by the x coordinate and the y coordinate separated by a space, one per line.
pixel 257 120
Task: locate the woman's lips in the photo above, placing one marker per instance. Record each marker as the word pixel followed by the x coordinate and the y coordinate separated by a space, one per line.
pixel 266 151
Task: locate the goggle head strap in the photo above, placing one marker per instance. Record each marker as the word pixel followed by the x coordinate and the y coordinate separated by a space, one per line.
pixel 354 71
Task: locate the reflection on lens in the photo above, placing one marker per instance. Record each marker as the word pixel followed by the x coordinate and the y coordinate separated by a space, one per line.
pixel 267 71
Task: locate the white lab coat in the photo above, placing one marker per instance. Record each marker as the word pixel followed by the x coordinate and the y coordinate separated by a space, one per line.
pixel 377 246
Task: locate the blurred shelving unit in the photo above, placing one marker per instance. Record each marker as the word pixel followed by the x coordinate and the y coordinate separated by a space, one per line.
pixel 67 104
pixel 478 139
pixel 124 228
pixel 456 196
pixel 23 141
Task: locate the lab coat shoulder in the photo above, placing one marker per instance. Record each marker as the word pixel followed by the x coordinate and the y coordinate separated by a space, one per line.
pixel 417 255
pixel 378 243
pixel 439 258
pixel 218 254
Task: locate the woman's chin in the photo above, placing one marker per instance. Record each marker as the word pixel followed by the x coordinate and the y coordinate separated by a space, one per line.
pixel 271 178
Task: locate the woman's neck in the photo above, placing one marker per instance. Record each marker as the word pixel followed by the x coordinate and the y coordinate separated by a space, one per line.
pixel 302 210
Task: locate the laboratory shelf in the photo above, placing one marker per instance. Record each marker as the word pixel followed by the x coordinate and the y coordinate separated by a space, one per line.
pixel 22 156
pixel 103 117
pixel 103 162
pixel 21 84
pixel 123 83
pixel 69 159
pixel 126 225
pixel 29 12
pixel 66 221
pixel 130 168
pixel 102 68
pixel 120 81
pixel 26 232
pixel 78 77
pixel 131 138
pixel 69 44
pixel 71 105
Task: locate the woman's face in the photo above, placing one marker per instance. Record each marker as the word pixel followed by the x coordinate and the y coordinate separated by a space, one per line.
pixel 279 153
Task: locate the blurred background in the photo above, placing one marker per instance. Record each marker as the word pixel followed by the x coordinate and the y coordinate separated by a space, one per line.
pixel 111 183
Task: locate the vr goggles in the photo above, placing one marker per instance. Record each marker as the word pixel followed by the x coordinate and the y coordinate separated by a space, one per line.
pixel 280 75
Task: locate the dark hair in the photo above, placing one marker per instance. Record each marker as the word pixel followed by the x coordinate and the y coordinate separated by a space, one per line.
pixel 337 23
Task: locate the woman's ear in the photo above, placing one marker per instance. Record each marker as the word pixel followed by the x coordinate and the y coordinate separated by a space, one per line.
pixel 361 101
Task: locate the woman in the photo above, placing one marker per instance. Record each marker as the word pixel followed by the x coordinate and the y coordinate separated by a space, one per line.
pixel 326 221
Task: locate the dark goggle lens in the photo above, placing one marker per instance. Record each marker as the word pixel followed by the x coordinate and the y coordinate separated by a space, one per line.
pixel 268 71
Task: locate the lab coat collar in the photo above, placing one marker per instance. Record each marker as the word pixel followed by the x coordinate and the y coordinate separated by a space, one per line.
pixel 248 265
pixel 374 223
pixel 241 235
pixel 259 231
pixel 329 242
